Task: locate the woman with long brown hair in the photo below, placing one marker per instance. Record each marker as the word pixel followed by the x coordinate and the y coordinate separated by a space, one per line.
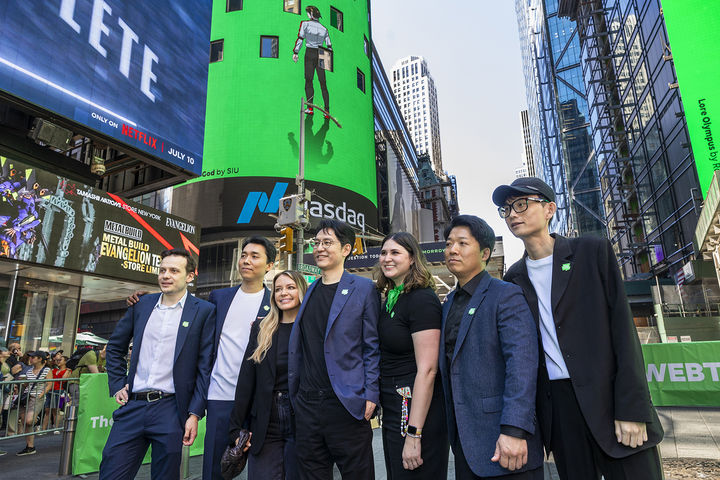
pixel 261 396
pixel 414 432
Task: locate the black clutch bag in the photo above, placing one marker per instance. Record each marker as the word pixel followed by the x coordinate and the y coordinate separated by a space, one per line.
pixel 234 459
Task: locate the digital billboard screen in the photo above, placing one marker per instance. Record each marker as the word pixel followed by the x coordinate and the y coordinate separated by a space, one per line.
pixel 274 54
pixel 694 33
pixel 51 220
pixel 133 70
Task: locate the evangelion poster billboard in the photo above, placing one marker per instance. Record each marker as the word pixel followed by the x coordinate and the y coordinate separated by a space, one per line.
pixel 53 221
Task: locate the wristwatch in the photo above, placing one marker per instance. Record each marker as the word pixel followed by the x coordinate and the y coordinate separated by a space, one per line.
pixel 413 430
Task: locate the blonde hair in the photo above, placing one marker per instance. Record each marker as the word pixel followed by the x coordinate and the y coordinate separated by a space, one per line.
pixel 269 324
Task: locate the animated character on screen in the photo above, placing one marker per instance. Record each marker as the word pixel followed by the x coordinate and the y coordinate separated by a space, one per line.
pixel 19 229
pixel 314 34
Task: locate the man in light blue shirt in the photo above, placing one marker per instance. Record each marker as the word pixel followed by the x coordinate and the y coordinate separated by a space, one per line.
pixel 314 34
pixel 163 395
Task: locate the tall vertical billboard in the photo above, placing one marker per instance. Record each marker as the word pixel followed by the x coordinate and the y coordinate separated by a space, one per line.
pixel 267 57
pixel 694 32
pixel 133 70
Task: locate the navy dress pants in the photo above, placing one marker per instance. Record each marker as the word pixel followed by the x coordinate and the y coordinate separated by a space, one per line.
pixel 137 425
pixel 217 437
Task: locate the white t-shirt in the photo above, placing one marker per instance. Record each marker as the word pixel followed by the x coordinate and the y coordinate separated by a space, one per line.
pixel 233 341
pixel 540 273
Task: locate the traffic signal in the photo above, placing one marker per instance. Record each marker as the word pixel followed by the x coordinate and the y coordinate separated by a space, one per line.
pixel 358 247
pixel 286 240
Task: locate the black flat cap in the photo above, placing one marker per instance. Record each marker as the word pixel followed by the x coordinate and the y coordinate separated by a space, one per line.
pixel 522 186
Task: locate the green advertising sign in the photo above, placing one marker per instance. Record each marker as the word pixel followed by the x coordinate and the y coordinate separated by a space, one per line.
pixel 683 374
pixel 94 423
pixel 273 55
pixel 694 32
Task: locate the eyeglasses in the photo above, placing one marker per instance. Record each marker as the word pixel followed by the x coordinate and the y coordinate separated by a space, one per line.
pixel 519 205
pixel 326 243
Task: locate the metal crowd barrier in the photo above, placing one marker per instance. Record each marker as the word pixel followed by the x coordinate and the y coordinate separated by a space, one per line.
pixel 23 407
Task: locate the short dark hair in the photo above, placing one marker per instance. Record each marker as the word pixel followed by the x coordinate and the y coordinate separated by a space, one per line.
pixel 190 266
pixel 270 250
pixel 313 10
pixel 479 229
pixel 343 231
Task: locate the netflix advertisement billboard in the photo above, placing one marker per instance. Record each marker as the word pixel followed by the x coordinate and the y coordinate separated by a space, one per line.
pixel 54 221
pixel 133 70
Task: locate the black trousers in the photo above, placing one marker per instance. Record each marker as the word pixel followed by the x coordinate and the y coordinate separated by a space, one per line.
pixel 325 434
pixel 434 446
pixel 276 460
pixel 577 454
pixel 312 65
pixel 463 471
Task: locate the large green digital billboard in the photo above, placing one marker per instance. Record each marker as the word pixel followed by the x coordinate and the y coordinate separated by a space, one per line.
pixel 272 55
pixel 694 33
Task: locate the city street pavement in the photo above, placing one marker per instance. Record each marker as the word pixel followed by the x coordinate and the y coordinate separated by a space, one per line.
pixel 689 433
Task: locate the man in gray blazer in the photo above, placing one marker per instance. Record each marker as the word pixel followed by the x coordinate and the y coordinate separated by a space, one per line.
pixel 488 363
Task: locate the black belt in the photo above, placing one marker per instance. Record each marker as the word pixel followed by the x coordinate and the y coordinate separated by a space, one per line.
pixel 153 396
pixel 317 394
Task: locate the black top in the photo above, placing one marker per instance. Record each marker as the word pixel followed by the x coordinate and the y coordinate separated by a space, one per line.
pixel 457 310
pixel 416 310
pixel 314 374
pixel 12 360
pixel 281 369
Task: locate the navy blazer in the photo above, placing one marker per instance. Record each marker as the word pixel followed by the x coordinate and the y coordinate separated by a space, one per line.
pixel 352 348
pixel 222 299
pixel 192 362
pixel 492 374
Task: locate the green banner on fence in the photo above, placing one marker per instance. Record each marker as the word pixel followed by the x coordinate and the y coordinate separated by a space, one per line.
pixel 94 422
pixel 683 374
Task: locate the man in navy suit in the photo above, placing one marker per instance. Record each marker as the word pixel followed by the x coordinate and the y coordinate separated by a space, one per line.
pixel 333 364
pixel 162 396
pixel 237 309
pixel 488 363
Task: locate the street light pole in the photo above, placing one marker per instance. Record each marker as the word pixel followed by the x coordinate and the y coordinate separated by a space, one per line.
pixel 300 179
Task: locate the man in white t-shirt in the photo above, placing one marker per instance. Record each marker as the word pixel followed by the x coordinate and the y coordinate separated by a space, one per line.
pixel 237 309
pixel 593 403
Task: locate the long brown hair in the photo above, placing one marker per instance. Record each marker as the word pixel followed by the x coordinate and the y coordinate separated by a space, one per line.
pixel 419 275
pixel 269 324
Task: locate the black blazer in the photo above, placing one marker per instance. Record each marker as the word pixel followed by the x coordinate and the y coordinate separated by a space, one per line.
pixel 253 394
pixel 598 339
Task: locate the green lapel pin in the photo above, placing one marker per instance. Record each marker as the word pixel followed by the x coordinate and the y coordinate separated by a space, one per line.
pixel 471 311
pixel 565 267
pixel 186 324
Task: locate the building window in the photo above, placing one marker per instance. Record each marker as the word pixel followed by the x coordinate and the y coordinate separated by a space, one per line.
pixel 336 19
pixel 233 5
pixel 269 46
pixel 366 46
pixel 291 6
pixel 216 51
pixel 361 80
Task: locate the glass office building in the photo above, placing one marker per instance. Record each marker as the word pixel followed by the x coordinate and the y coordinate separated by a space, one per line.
pixel 649 183
pixel 558 117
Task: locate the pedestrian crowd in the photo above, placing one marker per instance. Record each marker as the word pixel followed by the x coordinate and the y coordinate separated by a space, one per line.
pixel 35 405
pixel 503 372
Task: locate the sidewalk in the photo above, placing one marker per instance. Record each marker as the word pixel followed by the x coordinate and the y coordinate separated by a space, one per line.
pixel 689 433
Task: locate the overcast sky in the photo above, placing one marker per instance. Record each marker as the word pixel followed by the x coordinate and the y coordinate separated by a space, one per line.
pixel 473 53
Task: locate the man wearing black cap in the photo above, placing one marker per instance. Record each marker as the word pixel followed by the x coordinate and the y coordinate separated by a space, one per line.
pixel 593 402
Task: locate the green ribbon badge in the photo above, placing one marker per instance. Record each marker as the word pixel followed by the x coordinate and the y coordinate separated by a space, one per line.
pixel 186 324
pixel 565 267
pixel 471 311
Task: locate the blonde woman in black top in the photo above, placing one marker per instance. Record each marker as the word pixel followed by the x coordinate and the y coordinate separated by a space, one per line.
pixel 414 433
pixel 261 395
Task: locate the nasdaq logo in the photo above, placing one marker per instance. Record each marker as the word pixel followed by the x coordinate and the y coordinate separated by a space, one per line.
pixel 261 202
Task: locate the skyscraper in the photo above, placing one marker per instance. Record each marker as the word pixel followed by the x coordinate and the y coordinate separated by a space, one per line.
pixel 414 90
pixel 558 117
pixel 639 131
pixel 529 160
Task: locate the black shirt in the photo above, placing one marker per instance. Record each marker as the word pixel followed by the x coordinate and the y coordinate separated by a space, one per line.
pixel 314 374
pixel 416 310
pixel 457 310
pixel 281 365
